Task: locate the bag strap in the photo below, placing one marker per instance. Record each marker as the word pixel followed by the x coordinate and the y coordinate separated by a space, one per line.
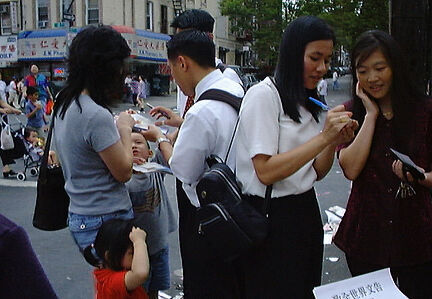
pixel 44 162
pixel 267 198
pixel 222 96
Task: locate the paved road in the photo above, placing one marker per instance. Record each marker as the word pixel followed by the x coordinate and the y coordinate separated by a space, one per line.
pixel 71 276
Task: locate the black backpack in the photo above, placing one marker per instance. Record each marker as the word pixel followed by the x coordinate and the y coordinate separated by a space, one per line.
pixel 227 222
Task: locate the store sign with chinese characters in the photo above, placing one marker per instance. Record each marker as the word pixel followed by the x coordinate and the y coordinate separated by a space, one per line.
pixel 374 285
pixel 8 48
pixel 42 48
pixel 151 46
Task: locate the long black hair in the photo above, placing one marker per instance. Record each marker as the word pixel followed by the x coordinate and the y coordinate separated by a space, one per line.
pixel 96 62
pixel 290 67
pixel 404 94
pixel 113 240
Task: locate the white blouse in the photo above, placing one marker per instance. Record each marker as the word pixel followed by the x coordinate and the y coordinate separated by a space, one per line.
pixel 265 129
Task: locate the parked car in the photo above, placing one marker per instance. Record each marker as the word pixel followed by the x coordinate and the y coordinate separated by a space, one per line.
pixel 249 80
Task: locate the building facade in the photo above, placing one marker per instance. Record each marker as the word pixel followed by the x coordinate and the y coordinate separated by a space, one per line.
pixel 39 31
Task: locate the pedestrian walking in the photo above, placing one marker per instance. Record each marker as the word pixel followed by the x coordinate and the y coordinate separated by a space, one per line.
pixel 38 80
pixel 322 90
pixel 206 130
pixel 286 141
pixel 335 80
pixel 13 93
pixel 96 156
pixel 388 221
pixel 35 115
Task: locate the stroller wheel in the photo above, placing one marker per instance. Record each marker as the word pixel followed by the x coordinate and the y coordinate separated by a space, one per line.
pixel 21 176
pixel 34 171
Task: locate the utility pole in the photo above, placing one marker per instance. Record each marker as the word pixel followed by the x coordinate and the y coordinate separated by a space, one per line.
pixel 411 26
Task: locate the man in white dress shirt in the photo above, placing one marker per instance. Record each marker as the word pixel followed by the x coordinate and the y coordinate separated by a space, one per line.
pixel 201 20
pixel 206 129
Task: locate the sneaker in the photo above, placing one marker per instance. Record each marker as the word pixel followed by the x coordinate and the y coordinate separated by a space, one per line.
pixel 9 173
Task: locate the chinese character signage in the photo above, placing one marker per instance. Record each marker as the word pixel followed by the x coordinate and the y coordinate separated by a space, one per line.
pixel 374 285
pixel 43 44
pixel 8 48
pixel 151 46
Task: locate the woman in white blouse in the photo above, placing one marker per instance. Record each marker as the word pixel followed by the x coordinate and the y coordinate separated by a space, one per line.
pixel 285 140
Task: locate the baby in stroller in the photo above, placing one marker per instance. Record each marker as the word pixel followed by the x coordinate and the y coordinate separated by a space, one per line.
pixel 35 151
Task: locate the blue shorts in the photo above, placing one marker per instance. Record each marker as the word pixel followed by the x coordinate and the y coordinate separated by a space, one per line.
pixel 159 276
pixel 84 228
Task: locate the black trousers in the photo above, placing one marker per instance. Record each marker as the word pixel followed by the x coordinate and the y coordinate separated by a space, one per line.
pixel 289 263
pixel 414 281
pixel 204 276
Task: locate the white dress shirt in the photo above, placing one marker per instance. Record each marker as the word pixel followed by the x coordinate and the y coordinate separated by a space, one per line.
pixel 228 73
pixel 206 130
pixel 265 129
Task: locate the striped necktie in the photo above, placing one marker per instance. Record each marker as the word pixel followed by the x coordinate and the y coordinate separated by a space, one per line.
pixel 189 103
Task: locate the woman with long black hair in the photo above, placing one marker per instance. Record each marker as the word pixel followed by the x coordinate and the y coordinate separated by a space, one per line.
pixel 388 222
pixel 283 140
pixel 95 152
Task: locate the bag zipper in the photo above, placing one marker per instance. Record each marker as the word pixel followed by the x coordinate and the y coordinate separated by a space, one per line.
pixel 228 181
pixel 221 212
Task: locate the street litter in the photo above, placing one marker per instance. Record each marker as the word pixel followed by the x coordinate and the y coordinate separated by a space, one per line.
pixel 334 217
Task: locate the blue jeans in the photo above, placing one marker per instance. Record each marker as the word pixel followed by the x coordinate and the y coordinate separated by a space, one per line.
pixel 159 276
pixel 84 228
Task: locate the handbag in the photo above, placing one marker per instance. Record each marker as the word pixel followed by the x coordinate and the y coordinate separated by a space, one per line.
pixel 52 201
pixel 226 221
pixel 6 141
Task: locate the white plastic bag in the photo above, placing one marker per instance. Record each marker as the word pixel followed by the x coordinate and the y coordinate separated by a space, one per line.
pixel 6 139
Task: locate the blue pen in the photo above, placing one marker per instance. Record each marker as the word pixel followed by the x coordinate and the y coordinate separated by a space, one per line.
pixel 319 103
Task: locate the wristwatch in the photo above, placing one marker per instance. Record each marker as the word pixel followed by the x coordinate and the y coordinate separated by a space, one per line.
pixel 162 139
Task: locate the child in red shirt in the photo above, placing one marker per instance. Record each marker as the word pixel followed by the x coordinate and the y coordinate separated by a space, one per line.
pixel 124 265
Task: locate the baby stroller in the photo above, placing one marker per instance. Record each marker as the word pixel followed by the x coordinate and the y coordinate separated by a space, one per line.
pixel 22 150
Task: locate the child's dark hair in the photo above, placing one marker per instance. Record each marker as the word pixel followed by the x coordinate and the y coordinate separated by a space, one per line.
pixel 113 238
pixel 27 132
pixel 31 90
pixel 194 44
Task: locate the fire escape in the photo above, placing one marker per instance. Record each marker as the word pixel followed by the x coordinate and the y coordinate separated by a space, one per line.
pixel 178 7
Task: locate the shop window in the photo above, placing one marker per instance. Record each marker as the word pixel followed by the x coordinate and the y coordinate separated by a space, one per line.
pixel 164 19
pixel 42 14
pixel 5 19
pixel 149 16
pixel 66 7
pixel 92 12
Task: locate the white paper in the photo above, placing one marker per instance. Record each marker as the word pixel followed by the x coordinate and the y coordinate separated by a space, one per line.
pixel 151 167
pixel 374 285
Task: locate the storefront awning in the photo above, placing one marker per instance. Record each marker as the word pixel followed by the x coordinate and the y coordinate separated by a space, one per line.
pixel 42 45
pixel 151 46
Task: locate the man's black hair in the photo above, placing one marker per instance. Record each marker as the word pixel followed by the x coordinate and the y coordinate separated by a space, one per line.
pixel 194 44
pixel 194 19
pixel 31 90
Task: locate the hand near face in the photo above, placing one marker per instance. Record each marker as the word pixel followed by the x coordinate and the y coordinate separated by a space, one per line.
pixel 370 105
pixel 138 160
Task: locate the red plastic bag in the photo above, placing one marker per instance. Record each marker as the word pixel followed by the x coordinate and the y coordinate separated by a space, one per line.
pixel 49 107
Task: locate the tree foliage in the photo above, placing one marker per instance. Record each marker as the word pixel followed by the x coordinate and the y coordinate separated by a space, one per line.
pixel 264 20
pixel 259 21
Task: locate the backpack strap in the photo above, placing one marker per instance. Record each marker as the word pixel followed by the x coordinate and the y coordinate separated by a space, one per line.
pixel 222 96
pixel 221 66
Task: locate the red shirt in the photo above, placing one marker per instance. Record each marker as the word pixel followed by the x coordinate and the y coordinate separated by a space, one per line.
pixel 377 228
pixel 111 285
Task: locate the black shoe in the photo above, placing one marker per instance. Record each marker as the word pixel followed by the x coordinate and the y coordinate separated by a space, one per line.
pixel 9 173
pixel 141 109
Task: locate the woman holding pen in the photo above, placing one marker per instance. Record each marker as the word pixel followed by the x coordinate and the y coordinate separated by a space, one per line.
pixel 388 222
pixel 285 140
